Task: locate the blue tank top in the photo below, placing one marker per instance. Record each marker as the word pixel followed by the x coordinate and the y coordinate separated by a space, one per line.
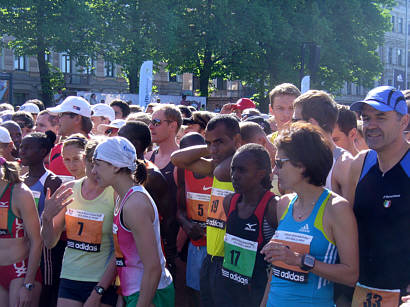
pixel 289 287
pixel 38 192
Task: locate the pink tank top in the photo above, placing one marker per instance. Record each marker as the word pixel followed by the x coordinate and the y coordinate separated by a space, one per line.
pixel 129 264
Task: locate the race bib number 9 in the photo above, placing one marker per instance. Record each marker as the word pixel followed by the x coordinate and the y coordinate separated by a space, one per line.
pixel 84 230
pixel 371 297
pixel 239 259
pixel 197 206
pixel 297 242
pixel 216 213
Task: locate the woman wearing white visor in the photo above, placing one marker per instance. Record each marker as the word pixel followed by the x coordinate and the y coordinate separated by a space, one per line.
pixel 140 263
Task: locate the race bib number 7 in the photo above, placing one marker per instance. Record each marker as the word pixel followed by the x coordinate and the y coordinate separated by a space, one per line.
pixel 84 230
pixel 297 242
pixel 371 297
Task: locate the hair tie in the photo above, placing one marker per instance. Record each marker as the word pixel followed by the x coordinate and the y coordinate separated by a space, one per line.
pixel 2 161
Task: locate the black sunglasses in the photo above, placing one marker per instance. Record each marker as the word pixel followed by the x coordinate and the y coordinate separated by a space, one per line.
pixel 157 122
pixel 279 162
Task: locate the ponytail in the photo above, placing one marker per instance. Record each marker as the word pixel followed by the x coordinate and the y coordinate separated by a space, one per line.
pixel 140 174
pixel 11 172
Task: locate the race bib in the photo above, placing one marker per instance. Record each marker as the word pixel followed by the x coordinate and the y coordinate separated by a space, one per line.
pixel 371 297
pixel 239 259
pixel 119 257
pixel 36 195
pixel 216 213
pixel 297 242
pixel 4 213
pixel 197 207
pixel 84 230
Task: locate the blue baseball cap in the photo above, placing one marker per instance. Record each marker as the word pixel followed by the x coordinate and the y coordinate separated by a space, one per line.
pixel 384 99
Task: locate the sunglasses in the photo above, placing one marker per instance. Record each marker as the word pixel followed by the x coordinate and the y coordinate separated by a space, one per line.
pixel 157 122
pixel 279 162
pixel 295 120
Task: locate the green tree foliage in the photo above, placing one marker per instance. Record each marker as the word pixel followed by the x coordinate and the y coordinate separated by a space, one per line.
pixel 131 32
pixel 40 26
pixel 259 41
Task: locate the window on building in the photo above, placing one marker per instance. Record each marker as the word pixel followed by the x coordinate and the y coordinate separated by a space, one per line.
pixel 392 23
pixel 399 57
pixel 408 29
pixel 389 82
pixel 400 25
pixel 109 69
pixel 65 64
pixel 390 56
pixel 20 62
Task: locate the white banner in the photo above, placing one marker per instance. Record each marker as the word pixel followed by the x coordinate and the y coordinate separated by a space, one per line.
pixel 145 89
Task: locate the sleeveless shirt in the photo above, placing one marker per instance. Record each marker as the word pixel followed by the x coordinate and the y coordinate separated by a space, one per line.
pixel 129 265
pixel 382 209
pixel 290 286
pixel 89 235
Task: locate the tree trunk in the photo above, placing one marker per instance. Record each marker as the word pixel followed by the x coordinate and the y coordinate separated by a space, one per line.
pixel 46 90
pixel 205 74
pixel 133 77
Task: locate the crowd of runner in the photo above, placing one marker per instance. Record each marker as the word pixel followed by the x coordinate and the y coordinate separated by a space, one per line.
pixel 113 205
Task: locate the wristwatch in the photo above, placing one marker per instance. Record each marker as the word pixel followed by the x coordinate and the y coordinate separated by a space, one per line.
pixel 29 286
pixel 99 290
pixel 308 262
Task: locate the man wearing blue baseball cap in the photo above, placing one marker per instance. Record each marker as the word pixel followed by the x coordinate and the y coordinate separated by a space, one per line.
pixel 381 193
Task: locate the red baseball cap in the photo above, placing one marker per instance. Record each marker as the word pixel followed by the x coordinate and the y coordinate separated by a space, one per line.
pixel 244 103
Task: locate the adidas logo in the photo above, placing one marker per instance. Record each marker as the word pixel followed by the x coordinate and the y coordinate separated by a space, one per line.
pixel 304 228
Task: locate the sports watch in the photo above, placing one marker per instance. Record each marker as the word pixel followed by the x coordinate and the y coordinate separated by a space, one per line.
pixel 29 286
pixel 99 290
pixel 308 262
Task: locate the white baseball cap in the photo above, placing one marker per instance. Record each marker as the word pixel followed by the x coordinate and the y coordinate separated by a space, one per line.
pixel 117 123
pixel 5 136
pixel 73 104
pixel 30 107
pixel 102 109
pixel 117 151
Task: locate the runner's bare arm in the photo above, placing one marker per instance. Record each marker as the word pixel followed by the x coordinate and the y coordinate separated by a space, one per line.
pixel 270 212
pixel 26 209
pixel 340 217
pixel 341 178
pixel 106 280
pixel 54 213
pixel 222 171
pixel 192 158
pixel 138 217
pixel 267 289
pixel 227 203
pixel 52 182
pixel 344 230
pixel 354 174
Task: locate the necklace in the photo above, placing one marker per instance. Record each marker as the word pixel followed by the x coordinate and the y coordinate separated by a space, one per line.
pixel 301 215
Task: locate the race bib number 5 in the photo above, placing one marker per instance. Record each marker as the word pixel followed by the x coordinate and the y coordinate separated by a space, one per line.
pixel 297 242
pixel 84 230
pixel 371 297
pixel 197 206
